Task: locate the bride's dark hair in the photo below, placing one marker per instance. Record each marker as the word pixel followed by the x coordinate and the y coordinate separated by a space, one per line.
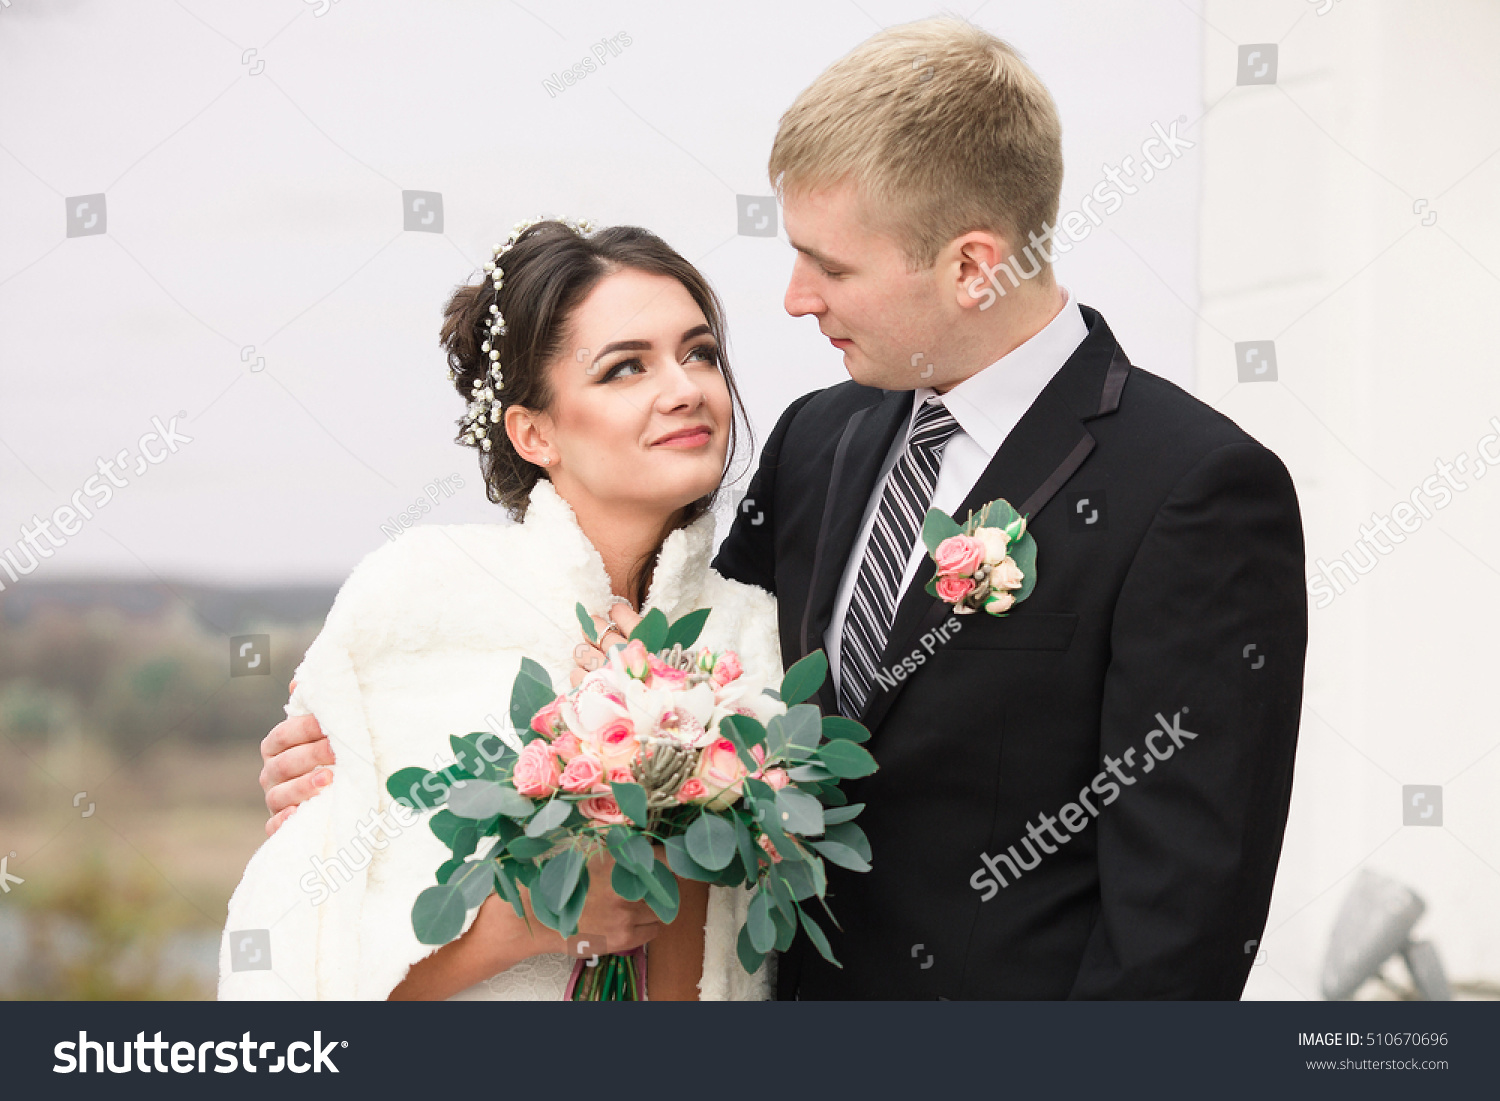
pixel 548 272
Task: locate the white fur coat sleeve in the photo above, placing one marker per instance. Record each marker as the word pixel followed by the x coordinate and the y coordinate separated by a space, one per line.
pixel 424 641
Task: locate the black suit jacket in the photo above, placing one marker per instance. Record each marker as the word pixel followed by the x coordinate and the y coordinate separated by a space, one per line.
pixel 1169 593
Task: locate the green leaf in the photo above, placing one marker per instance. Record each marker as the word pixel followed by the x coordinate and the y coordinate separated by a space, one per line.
pixel 817 936
pixel 664 898
pixel 744 732
pixel 544 913
pixel 528 695
pixel 553 814
pixel 810 774
pixel 631 849
pixel 651 630
pixel 799 879
pixel 475 880
pixel 936 527
pixel 528 848
pixel 586 621
pixel 537 672
pixel 830 796
pixel 448 867
pixel 998 514
pixel 438 915
pixel 682 862
pixel 803 729
pixel 567 917
pixel 832 816
pixel 786 929
pixel 559 878
pixel 710 841
pixel 1024 553
pixel 781 895
pixel 407 784
pixel 443 824
pixel 800 813
pixel 505 883
pixel 464 841
pixel 628 885
pixel 758 922
pixel 481 799
pixel 750 959
pixel 686 630
pixel 847 833
pixel 632 801
pixel 846 759
pixel 837 726
pixel 842 855
pixel 749 850
pixel 804 678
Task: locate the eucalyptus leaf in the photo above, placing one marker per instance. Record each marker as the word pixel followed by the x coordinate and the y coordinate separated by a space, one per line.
pixel 448 867
pixel 1023 551
pixel 586 621
pixel 749 958
pixel 846 759
pixel 553 814
pixel 652 630
pixel 804 678
pixel 810 774
pixel 631 849
pixel 559 878
pixel 632 801
pixel 464 841
pixel 710 841
pixel 686 630
pixel 998 514
pixel 478 799
pixel 758 922
pixel 443 824
pixel 937 526
pixel 438 915
pixel 528 695
pixel 681 862
pixel 781 895
pixel 664 898
pixel 749 850
pixel 842 855
pixel 832 816
pixel 786 929
pixel 475 880
pixel 800 813
pixel 848 833
pixel 628 885
pixel 572 910
pixel 804 727
pixel 505 883
pixel 799 879
pixel 838 726
pixel 424 790
pixel 818 937
pixel 528 848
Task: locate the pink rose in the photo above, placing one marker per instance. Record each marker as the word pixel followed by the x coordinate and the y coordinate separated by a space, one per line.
pixel 617 744
pixel 692 791
pixel 548 719
pixel 602 809
pixel 663 675
pixel 536 771
pixel 1007 575
pixel 584 773
pixel 722 773
pixel 727 668
pixel 958 556
pixel 621 775
pixel 567 746
pixel 635 658
pixel 954 589
pixel 776 778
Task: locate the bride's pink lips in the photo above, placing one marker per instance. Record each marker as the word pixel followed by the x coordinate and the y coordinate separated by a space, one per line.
pixel 696 436
pixel 840 342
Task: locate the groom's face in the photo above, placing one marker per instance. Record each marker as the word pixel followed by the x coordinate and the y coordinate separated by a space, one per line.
pixel 888 321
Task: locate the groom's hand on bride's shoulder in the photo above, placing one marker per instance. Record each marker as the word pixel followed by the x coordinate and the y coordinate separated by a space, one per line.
pixel 294 766
pixel 588 656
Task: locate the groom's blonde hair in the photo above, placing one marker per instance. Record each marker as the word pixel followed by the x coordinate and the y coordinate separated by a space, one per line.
pixel 943 128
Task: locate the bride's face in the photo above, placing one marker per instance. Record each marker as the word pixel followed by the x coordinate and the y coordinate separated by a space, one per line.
pixel 640 412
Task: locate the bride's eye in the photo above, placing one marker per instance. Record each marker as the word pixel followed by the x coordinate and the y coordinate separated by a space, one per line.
pixel 617 371
pixel 706 353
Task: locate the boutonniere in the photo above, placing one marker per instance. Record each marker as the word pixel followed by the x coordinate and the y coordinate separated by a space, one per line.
pixel 989 562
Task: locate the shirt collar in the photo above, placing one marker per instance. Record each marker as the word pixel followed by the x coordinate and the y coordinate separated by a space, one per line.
pixel 988 404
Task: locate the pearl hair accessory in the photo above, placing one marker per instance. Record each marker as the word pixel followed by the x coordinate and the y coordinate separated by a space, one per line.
pixel 485 401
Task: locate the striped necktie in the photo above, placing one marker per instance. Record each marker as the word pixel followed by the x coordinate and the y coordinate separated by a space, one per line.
pixel 903 505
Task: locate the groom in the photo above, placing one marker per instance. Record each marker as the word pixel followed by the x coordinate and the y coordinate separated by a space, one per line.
pixel 1086 797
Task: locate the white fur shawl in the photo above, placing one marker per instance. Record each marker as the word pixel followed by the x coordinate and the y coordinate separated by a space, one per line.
pixel 424 641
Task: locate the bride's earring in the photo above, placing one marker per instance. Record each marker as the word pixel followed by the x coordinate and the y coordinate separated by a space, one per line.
pixel 546 460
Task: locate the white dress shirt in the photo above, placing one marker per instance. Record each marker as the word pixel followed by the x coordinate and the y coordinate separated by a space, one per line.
pixel 987 405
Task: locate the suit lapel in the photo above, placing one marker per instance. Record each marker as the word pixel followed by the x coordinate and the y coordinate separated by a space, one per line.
pixel 1044 450
pixel 858 457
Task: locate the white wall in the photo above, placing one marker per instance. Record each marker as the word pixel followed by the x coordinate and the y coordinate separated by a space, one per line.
pixel 1312 237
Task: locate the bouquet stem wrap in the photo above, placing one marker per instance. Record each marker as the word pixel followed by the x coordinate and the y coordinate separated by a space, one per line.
pixel 612 978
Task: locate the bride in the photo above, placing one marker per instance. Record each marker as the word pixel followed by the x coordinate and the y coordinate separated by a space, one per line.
pixel 604 412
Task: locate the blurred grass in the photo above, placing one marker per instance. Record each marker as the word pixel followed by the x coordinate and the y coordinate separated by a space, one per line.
pixel 140 715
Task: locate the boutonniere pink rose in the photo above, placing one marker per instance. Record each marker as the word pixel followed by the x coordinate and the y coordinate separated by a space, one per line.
pixel 989 562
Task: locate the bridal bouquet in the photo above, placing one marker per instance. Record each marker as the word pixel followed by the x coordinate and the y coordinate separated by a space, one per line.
pixel 666 753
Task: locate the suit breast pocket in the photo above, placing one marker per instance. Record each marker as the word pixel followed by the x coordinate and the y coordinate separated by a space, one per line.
pixel 1017 631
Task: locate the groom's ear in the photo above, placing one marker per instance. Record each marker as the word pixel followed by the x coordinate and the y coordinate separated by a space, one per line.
pixel 969 260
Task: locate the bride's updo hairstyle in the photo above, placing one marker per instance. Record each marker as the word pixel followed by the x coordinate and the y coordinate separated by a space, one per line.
pixel 548 271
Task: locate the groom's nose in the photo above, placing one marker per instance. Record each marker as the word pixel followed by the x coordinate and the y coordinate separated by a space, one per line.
pixel 800 298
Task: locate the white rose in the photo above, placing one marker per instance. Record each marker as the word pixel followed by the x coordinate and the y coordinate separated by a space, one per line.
pixel 995 544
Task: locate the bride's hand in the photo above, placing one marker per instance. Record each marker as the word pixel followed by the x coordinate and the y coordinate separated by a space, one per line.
pixel 589 656
pixel 611 923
